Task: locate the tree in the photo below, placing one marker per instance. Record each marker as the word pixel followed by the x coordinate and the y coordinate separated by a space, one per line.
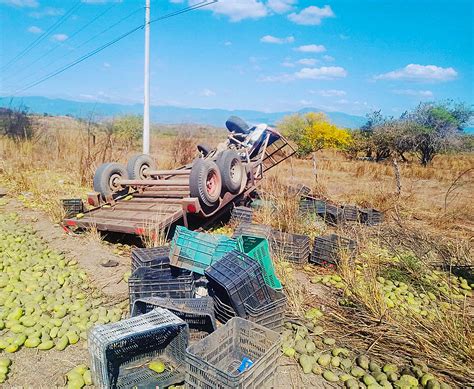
pixel 127 128
pixel 15 123
pixel 435 126
pixel 313 131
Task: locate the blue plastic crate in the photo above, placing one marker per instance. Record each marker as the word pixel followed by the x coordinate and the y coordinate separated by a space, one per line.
pixel 196 251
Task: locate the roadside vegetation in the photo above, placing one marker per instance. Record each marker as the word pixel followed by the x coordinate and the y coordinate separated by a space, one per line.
pixel 402 306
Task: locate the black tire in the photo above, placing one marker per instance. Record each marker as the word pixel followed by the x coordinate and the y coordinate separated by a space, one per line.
pixel 236 124
pixel 104 178
pixel 202 173
pixel 232 171
pixel 137 165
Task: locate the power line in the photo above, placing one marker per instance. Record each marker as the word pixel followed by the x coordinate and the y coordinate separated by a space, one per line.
pixel 43 36
pixel 84 43
pixel 103 47
pixel 69 38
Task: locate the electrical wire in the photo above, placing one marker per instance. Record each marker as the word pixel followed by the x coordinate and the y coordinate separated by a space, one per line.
pixel 69 38
pixel 103 47
pixel 34 74
pixel 42 37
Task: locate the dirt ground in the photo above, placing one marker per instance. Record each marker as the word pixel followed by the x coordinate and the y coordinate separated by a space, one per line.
pixel 88 252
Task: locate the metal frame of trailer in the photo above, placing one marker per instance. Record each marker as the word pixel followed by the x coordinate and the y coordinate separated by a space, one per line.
pixel 164 199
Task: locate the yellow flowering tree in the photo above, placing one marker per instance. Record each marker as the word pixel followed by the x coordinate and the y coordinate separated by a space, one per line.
pixel 313 132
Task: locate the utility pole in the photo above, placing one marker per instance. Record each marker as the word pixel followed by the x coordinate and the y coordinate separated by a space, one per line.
pixel 146 108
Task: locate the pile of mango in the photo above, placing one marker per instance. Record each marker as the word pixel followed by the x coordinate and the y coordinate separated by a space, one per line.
pixel 320 355
pixel 78 377
pixel 4 369
pixel 408 300
pixel 330 280
pixel 45 300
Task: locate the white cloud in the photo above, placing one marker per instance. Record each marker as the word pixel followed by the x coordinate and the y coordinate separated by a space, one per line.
pixel 281 6
pixel 308 61
pixel 274 39
pixel 21 3
pixel 412 92
pixel 312 15
pixel 237 10
pixel 48 11
pixel 330 92
pixel 328 58
pixel 35 30
pixel 228 43
pixel 305 102
pixel 311 48
pixel 322 73
pixel 107 65
pixel 207 93
pixel 414 72
pixel 59 37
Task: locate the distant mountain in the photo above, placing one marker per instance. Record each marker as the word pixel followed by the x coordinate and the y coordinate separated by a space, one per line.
pixel 164 114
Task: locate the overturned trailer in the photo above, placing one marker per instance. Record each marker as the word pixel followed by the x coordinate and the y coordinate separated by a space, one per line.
pixel 139 199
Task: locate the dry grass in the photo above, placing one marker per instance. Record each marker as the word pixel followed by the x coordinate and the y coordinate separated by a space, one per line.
pixel 61 159
pixel 432 219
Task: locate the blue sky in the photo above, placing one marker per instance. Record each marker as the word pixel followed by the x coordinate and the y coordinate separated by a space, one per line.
pixel 272 55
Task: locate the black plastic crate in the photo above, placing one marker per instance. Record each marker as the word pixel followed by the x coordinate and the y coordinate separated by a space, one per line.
pixel 271 315
pixel 293 247
pixel 120 352
pixel 326 249
pixel 370 216
pixel 313 205
pixel 72 206
pixel 241 214
pixel 222 311
pixel 147 282
pixel 333 214
pixel 197 312
pixel 250 229
pixel 155 258
pixel 214 361
pixel 351 213
pixel 238 280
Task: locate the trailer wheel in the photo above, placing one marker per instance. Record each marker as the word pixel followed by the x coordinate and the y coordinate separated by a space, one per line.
pixel 137 166
pixel 205 182
pixel 106 177
pixel 232 171
pixel 236 124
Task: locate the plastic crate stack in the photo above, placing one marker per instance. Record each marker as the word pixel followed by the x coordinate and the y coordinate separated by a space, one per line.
pixel 237 285
pixel 72 206
pixel 155 258
pixel 198 313
pixel 196 251
pixel 326 249
pixel 351 213
pixel 250 229
pixel 120 352
pixel 370 216
pixel 165 281
pixel 292 247
pixel 240 354
pixel 241 214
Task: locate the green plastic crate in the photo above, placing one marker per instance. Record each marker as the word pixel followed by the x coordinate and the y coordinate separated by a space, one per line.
pixel 196 251
pixel 259 249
